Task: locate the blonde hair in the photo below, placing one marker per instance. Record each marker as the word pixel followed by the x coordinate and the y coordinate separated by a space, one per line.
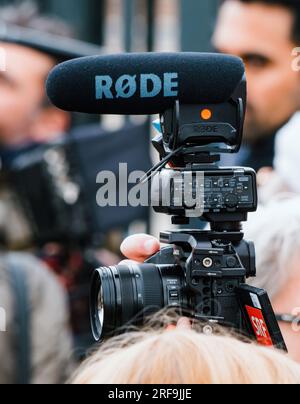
pixel 183 356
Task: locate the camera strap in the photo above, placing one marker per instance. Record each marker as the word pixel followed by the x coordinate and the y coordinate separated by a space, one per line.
pixel 19 288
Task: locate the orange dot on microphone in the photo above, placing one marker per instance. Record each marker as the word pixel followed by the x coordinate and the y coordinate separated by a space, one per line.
pixel 206 114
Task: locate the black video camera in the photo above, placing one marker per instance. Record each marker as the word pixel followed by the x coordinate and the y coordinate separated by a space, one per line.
pixel 202 273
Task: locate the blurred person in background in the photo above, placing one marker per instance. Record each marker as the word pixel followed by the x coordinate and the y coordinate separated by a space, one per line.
pixel 22 84
pixel 32 45
pixel 26 117
pixel 283 180
pixel 26 120
pixel 263 33
pixel 277 244
pixel 37 346
pixel 183 356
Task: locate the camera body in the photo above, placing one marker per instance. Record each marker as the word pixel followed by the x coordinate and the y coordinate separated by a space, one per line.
pixel 210 269
pixel 198 276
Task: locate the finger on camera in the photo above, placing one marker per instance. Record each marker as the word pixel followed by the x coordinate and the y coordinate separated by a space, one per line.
pixel 140 247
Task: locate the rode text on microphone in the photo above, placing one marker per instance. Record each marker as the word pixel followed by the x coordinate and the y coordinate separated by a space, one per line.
pixel 127 86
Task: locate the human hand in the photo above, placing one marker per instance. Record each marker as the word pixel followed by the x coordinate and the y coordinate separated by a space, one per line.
pixel 139 248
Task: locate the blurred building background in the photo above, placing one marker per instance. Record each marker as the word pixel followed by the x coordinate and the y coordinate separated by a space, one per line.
pixel 137 25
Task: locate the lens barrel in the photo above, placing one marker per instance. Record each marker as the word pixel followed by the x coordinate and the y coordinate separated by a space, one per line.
pixel 124 294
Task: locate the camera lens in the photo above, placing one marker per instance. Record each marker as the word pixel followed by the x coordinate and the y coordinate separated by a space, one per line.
pixel 124 294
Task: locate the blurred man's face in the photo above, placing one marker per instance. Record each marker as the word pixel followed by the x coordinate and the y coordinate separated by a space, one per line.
pixel 21 92
pixel 262 36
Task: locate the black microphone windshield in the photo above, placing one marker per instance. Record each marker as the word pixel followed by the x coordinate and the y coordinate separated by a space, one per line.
pixel 143 84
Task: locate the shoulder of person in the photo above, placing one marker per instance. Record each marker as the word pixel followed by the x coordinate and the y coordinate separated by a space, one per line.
pixel 43 287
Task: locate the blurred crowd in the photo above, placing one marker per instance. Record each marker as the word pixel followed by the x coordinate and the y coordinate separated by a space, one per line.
pixel 44 276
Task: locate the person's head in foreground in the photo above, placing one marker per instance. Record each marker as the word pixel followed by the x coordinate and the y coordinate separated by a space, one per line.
pixel 184 356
